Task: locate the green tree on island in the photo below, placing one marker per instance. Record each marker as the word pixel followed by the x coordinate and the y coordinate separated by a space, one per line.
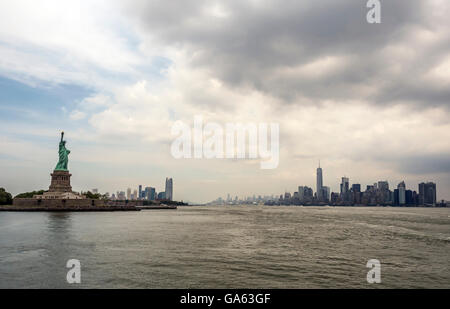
pixel 5 197
pixel 30 194
pixel 95 196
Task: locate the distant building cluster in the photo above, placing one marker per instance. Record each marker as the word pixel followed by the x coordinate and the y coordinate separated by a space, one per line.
pixel 378 194
pixel 249 200
pixel 146 193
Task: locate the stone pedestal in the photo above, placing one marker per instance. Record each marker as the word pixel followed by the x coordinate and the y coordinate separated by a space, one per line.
pixel 60 182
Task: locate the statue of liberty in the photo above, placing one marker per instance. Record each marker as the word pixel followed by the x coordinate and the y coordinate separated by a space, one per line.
pixel 63 155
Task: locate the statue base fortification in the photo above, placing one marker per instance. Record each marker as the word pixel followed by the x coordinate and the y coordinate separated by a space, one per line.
pixel 60 188
pixel 55 206
pixel 60 197
pixel 60 181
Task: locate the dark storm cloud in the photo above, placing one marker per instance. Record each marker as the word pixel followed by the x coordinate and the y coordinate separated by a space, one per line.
pixel 264 44
pixel 434 164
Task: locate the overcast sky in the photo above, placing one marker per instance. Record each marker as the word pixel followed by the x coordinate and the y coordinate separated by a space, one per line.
pixel 371 101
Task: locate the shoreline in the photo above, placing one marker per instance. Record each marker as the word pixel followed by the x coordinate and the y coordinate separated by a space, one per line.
pixel 68 209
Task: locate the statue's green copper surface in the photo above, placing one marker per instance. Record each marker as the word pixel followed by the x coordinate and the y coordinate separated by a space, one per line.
pixel 63 155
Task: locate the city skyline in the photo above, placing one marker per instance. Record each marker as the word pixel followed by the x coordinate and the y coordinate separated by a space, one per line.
pixel 345 194
pixel 369 100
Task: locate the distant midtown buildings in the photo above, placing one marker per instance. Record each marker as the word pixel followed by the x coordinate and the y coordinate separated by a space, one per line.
pixel 146 193
pixel 378 194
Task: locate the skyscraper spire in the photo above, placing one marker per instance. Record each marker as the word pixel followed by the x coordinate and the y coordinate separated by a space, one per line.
pixel 319 190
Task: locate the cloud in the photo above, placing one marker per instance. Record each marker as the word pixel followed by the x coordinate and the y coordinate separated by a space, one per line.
pixel 436 164
pixel 77 115
pixel 68 42
pixel 316 50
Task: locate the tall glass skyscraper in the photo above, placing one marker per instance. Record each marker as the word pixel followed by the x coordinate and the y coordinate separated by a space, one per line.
pixel 345 188
pixel 169 188
pixel 427 193
pixel 401 193
pixel 344 185
pixel 319 188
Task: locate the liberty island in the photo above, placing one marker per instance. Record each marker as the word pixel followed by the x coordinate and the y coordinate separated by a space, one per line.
pixel 60 196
